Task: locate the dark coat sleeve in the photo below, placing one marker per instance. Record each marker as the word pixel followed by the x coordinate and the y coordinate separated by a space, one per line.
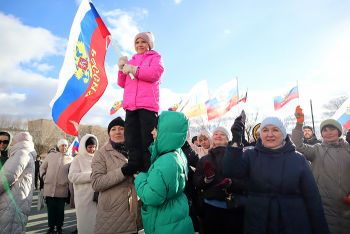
pixel 235 164
pixel 192 157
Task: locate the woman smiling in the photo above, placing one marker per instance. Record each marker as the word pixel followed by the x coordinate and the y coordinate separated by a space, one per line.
pixel 282 193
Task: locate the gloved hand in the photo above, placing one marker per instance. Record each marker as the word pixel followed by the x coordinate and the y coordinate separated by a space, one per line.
pixel 122 61
pixel 243 116
pixel 209 170
pixel 348 136
pixel 238 128
pixel 346 199
pixel 299 115
pixel 225 183
pixel 127 68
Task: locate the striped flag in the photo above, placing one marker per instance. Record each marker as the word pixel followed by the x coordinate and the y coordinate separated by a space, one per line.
pixel 342 115
pixel 82 79
pixel 280 101
pixel 74 147
pixel 244 98
pixel 116 106
pixel 223 100
pixel 194 104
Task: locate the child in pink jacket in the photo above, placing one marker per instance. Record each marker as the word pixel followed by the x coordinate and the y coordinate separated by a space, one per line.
pixel 140 77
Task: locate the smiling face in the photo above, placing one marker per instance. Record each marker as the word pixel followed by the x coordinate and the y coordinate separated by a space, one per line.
pixel 219 139
pixel 204 141
pixel 271 137
pixel 330 134
pixel 141 46
pixel 63 148
pixel 117 134
pixel 308 133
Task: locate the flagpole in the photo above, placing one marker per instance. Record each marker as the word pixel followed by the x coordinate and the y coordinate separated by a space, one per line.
pixel 119 54
pixel 237 94
pixel 312 116
pixel 298 93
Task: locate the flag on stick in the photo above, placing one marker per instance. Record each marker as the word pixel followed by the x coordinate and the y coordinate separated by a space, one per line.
pixel 174 107
pixel 342 115
pixel 223 100
pixel 116 106
pixel 74 147
pixel 280 101
pixel 82 79
pixel 194 104
pixel 244 98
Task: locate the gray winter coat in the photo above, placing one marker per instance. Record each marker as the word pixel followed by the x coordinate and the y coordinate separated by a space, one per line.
pixel 16 188
pixel 331 168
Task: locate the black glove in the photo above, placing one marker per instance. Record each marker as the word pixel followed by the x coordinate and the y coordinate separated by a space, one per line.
pixel 237 129
pixel 186 146
pixel 348 136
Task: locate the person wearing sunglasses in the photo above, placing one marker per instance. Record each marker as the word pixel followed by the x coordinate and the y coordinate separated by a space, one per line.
pixel 5 140
pixel 16 186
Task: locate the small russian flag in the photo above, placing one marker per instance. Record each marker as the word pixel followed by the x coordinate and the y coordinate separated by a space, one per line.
pixel 74 147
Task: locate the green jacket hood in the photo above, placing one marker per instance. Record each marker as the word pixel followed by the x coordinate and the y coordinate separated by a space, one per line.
pixel 171 133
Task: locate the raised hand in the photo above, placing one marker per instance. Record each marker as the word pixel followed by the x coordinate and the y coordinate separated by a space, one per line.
pixel 237 129
pixel 299 115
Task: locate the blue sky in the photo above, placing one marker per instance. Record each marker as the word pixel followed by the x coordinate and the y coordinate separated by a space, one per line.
pixel 268 45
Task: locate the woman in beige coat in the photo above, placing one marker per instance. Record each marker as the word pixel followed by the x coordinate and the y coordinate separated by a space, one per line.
pixel 117 201
pixel 330 164
pixel 80 176
pixel 54 172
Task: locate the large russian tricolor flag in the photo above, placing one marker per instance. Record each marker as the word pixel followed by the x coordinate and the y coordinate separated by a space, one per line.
pixel 342 115
pixel 82 79
pixel 280 101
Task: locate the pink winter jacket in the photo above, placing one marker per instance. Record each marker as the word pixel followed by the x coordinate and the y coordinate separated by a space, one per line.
pixel 143 92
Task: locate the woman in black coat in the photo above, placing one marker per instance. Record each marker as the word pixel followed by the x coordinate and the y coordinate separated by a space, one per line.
pixel 218 214
pixel 282 194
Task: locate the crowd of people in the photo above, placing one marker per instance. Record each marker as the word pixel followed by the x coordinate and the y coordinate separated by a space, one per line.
pixel 151 176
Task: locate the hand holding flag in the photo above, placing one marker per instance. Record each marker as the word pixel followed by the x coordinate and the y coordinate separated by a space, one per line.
pixel 122 61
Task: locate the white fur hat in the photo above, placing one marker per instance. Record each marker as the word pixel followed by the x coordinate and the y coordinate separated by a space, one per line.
pixel 22 136
pixel 62 142
pixel 275 121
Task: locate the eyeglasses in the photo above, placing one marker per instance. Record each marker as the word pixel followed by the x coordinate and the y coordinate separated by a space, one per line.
pixel 5 142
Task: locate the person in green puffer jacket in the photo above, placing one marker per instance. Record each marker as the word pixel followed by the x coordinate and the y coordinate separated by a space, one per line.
pixel 161 190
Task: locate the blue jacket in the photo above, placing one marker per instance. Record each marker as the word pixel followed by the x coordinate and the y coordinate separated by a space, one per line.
pixel 282 194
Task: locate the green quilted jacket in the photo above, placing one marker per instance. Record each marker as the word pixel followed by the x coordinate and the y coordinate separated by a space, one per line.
pixel 161 189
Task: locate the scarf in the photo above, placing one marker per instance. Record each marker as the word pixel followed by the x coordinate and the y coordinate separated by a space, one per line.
pixel 120 147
